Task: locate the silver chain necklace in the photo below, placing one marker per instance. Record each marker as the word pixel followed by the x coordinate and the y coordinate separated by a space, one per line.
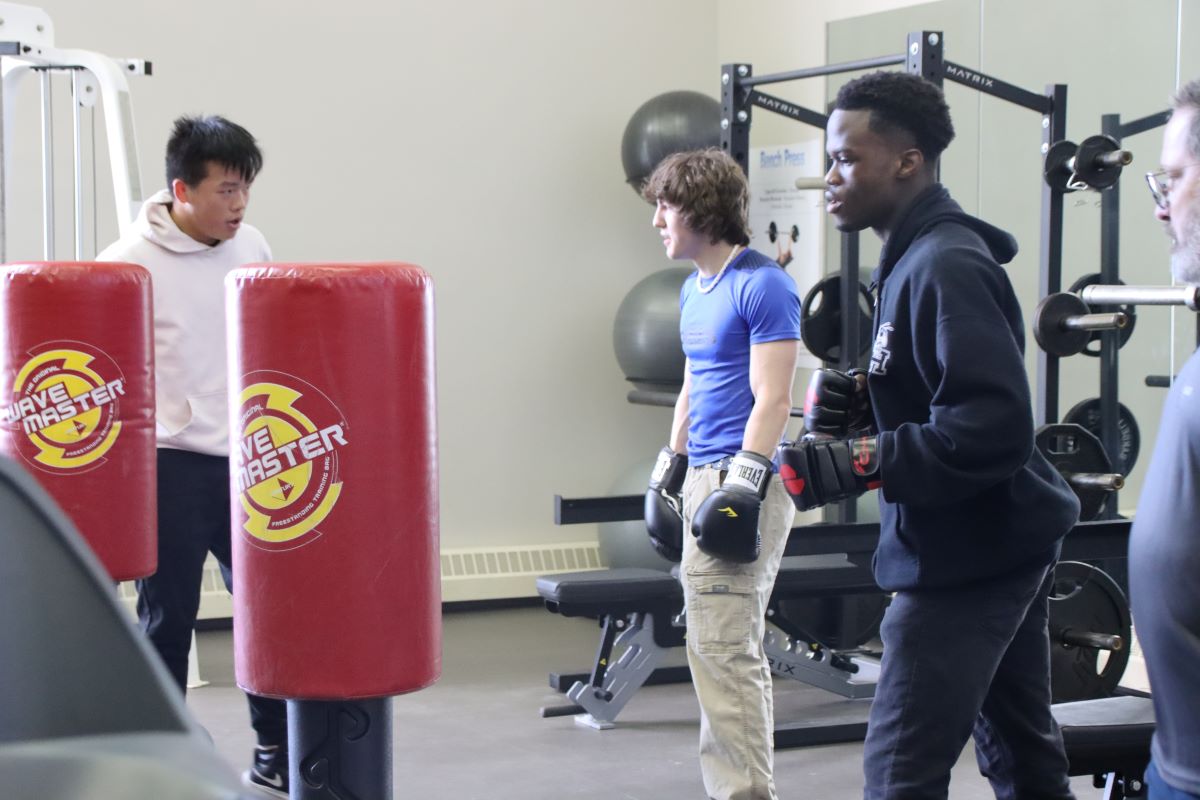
pixel 700 287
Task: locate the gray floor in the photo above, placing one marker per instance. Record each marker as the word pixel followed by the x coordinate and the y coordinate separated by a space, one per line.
pixel 476 734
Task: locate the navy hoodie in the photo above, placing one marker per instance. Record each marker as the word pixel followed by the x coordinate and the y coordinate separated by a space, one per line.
pixel 965 494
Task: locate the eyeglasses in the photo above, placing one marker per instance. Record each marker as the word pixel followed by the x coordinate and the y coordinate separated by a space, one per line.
pixel 1160 185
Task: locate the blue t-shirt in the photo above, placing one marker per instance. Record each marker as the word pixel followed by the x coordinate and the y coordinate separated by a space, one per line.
pixel 1164 581
pixel 753 302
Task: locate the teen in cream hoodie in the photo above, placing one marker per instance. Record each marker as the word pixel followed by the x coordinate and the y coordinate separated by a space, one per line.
pixel 188 282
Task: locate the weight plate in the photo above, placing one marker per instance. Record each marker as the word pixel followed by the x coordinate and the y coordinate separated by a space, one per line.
pixel 1087 414
pixel 1096 176
pixel 1092 348
pixel 1055 167
pixel 1072 449
pixel 1047 324
pixel 1085 599
pixel 821 319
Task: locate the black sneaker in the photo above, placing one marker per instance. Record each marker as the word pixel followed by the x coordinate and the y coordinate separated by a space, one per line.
pixel 269 772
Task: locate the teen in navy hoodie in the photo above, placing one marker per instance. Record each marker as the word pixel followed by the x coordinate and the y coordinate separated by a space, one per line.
pixel 971 514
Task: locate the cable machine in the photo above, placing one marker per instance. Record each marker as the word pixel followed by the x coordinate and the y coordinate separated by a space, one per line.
pixel 27 47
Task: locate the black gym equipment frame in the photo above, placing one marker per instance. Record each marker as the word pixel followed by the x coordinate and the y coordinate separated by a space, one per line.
pixel 1109 275
pixel 923 55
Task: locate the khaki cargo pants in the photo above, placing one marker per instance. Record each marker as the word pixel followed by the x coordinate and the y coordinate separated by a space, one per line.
pixel 726 604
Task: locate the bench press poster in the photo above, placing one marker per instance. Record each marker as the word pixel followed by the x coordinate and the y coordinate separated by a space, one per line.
pixel 65 410
pixel 286 447
pixel 787 221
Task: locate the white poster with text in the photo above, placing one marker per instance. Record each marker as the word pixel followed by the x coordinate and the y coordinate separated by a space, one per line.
pixel 786 223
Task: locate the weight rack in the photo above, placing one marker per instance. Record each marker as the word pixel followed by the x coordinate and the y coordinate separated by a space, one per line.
pixel 924 56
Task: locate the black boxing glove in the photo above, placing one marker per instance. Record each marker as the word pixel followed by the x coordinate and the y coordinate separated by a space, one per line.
pixel 837 402
pixel 820 471
pixel 664 504
pixel 726 523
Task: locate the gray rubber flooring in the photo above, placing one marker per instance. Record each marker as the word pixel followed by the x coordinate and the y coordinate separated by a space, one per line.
pixel 477 735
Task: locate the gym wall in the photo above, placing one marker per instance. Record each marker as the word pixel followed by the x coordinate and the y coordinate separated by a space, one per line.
pixel 481 141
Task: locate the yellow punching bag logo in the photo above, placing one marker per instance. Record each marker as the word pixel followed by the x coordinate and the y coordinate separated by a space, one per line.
pixel 66 407
pixel 286 459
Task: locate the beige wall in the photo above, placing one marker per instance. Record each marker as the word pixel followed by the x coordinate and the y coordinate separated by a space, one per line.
pixel 480 140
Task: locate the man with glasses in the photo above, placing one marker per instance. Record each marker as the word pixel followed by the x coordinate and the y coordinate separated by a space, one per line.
pixel 1164 547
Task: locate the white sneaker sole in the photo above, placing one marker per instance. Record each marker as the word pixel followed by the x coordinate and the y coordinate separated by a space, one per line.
pixel 268 791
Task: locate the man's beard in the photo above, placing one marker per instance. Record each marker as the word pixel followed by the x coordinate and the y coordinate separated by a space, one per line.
pixel 1185 254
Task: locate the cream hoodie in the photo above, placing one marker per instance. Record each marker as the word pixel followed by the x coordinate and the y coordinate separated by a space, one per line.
pixel 188 283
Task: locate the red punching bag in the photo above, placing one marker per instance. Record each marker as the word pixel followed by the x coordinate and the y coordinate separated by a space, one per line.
pixel 333 454
pixel 77 382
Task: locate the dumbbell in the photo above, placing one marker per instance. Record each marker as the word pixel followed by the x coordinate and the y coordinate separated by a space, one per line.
pixel 1063 325
pixel 773 233
pixel 1095 163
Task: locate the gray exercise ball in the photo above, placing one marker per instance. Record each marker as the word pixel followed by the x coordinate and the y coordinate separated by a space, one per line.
pixel 646 332
pixel 668 123
pixel 627 544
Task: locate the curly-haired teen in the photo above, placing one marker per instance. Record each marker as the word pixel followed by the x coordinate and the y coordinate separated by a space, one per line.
pixel 971 514
pixel 714 500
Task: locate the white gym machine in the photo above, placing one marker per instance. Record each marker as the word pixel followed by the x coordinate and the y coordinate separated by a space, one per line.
pixel 27 46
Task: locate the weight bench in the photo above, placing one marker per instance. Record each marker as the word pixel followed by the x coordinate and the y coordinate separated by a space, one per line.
pixel 637 609
pixel 1109 739
pixel 792 647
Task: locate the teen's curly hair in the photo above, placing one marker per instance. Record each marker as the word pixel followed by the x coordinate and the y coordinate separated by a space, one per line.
pixel 710 191
pixel 900 101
